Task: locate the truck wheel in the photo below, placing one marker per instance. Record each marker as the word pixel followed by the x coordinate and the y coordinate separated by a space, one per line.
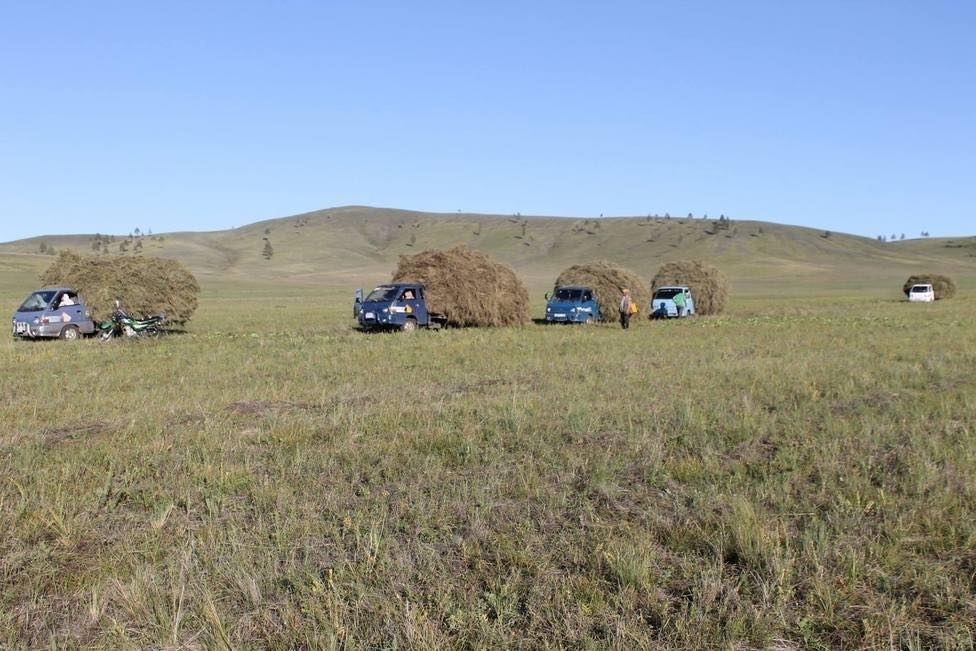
pixel 589 320
pixel 409 325
pixel 69 333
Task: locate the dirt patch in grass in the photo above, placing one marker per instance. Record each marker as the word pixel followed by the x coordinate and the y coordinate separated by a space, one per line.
pixel 271 407
pixel 49 437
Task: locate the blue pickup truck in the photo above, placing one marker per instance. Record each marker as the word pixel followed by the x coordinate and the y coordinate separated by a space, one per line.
pixel 52 312
pixel 396 306
pixel 663 305
pixel 572 304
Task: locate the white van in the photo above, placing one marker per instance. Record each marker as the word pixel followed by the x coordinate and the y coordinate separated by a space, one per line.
pixel 922 293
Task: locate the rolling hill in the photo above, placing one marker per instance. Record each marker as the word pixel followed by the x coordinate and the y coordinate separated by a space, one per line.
pixel 356 245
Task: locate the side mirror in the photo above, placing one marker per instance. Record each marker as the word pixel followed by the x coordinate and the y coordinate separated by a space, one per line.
pixel 547 296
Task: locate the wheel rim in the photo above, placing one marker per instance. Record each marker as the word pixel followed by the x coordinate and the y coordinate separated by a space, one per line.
pixel 70 334
pixel 409 326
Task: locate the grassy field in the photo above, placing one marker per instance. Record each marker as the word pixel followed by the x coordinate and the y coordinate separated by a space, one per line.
pixel 795 474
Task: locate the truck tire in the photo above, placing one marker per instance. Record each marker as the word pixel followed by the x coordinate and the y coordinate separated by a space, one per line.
pixel 409 325
pixel 69 333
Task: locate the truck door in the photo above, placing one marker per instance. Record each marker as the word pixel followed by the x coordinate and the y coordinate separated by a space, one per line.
pixel 73 312
pixel 418 306
pixel 357 303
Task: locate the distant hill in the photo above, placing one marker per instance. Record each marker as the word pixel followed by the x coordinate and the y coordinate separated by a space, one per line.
pixel 356 245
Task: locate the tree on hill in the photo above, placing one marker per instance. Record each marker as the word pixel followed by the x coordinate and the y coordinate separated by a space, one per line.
pixel 268 250
pixel 42 248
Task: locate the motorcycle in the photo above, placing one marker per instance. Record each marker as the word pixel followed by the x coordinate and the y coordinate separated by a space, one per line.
pixel 120 323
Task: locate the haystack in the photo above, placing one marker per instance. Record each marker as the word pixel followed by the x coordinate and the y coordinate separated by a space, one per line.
pixel 467 286
pixel 943 286
pixel 709 287
pixel 145 285
pixel 607 282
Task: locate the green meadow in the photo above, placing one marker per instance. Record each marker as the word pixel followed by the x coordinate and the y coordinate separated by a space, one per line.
pixel 797 473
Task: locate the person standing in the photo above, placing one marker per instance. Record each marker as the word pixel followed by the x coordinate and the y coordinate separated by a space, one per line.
pixel 679 302
pixel 625 303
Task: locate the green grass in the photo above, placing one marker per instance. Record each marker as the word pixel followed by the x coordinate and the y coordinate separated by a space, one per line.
pixel 798 473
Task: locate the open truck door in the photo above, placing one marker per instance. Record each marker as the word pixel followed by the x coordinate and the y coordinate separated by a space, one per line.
pixel 357 304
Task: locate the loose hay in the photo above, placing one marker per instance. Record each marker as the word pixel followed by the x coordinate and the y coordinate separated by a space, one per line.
pixel 467 287
pixel 607 282
pixel 145 285
pixel 943 286
pixel 709 287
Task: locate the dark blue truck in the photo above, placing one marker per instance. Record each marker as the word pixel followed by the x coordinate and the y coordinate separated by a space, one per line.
pixel 396 306
pixel 572 304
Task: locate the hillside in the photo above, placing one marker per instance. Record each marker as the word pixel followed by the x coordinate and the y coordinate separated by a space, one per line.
pixel 360 245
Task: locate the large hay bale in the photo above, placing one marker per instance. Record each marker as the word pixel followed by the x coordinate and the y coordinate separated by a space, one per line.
pixel 943 286
pixel 145 285
pixel 607 282
pixel 467 287
pixel 709 287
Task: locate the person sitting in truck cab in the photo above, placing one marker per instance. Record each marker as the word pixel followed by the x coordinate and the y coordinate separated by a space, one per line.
pixel 65 300
pixel 408 295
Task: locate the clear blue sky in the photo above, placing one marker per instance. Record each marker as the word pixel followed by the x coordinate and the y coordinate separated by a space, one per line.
pixel 850 116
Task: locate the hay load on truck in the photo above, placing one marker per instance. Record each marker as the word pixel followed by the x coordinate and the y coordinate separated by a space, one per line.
pixel 144 284
pixel 672 302
pixel 466 287
pixel 396 306
pixel 572 304
pixel 940 286
pixel 607 282
pixel 707 284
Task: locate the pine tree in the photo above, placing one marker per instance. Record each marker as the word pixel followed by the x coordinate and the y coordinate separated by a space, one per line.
pixel 268 250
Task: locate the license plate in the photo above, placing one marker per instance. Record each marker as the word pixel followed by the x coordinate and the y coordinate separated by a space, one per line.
pixel 369 315
pixel 559 316
pixel 21 327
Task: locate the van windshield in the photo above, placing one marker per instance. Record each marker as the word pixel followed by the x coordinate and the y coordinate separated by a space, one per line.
pixel 918 289
pixel 667 292
pixel 37 301
pixel 382 294
pixel 568 294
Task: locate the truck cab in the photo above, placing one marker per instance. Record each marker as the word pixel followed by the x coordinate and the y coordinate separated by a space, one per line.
pixel 572 304
pixel 663 305
pixel 921 293
pixel 52 312
pixel 396 306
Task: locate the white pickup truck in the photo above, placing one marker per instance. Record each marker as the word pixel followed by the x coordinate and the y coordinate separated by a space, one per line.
pixel 921 293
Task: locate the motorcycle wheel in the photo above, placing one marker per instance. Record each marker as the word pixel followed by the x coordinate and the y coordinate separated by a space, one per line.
pixel 105 335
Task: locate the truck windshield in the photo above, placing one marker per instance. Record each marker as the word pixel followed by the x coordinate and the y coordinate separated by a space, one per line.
pixel 382 294
pixel 37 301
pixel 567 294
pixel 667 292
pixel 918 289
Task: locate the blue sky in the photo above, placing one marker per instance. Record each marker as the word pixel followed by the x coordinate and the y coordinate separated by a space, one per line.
pixel 850 116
